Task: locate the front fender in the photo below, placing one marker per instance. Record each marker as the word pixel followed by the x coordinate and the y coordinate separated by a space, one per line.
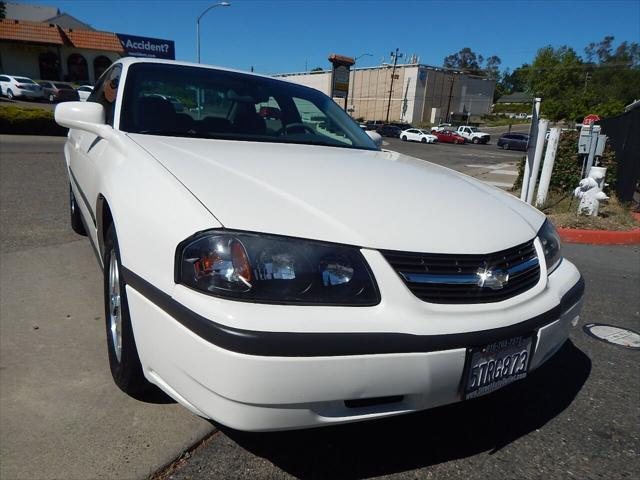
pixel 151 210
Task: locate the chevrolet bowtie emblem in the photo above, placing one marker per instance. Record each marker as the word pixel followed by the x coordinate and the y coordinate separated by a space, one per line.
pixel 495 279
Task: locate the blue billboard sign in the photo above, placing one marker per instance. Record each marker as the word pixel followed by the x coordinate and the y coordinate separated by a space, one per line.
pixel 147 47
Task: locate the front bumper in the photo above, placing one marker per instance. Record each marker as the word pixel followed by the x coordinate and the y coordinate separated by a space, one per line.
pixel 262 380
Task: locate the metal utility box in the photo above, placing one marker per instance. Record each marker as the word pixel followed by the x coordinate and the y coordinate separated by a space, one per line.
pixel 602 142
pixel 584 142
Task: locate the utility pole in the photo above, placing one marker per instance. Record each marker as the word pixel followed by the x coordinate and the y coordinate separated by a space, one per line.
pixel 395 56
pixel 453 79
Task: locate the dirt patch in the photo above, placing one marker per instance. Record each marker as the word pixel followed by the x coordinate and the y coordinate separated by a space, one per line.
pixel 613 215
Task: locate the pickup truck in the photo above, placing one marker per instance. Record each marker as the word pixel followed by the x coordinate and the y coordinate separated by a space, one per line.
pixel 472 134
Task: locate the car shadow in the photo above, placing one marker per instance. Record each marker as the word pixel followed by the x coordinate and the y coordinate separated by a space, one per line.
pixel 154 395
pixel 426 438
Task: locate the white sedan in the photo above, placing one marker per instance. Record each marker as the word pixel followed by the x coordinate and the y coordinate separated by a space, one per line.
pixel 417 135
pixel 273 276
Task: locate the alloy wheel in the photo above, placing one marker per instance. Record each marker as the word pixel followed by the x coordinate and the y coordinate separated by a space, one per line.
pixel 115 310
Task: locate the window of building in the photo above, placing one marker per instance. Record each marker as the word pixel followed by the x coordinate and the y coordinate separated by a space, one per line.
pixel 78 70
pixel 49 66
pixel 100 65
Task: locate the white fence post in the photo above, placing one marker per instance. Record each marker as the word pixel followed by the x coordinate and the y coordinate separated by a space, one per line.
pixel 542 131
pixel 547 167
pixel 531 148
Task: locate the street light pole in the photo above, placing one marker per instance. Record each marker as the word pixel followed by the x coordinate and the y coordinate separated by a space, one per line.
pixel 353 90
pixel 393 73
pixel 221 4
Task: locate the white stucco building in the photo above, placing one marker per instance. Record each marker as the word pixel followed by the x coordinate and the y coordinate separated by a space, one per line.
pixel 421 93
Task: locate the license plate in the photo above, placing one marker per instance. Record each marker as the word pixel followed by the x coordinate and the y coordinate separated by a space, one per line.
pixel 498 364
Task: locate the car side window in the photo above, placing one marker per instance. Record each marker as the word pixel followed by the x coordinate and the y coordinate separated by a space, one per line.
pixel 4 79
pixel 106 90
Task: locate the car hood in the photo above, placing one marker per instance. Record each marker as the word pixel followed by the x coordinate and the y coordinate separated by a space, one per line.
pixel 376 199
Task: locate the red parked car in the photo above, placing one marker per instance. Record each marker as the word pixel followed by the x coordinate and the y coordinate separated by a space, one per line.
pixel 447 136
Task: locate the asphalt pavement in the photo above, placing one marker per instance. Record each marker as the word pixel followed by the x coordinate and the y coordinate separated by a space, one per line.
pixel 61 416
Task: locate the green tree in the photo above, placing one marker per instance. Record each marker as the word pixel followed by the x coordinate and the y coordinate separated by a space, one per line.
pixel 603 82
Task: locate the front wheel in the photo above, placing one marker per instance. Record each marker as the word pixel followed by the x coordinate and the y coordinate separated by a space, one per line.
pixel 424 140
pixel 52 98
pixel 476 141
pixel 9 94
pixel 505 146
pixel 124 362
pixel 74 212
pixel 404 138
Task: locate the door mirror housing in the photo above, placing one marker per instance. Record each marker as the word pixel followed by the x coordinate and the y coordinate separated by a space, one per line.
pixel 376 137
pixel 86 116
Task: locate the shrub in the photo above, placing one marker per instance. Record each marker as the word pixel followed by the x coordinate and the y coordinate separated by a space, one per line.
pixel 28 121
pixel 568 166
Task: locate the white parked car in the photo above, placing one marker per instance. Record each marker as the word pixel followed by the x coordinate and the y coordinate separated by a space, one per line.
pixel 442 126
pixel 417 135
pixel 84 91
pixel 473 135
pixel 275 277
pixel 20 87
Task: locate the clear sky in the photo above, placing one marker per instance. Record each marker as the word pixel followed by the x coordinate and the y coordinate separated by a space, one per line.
pixel 283 35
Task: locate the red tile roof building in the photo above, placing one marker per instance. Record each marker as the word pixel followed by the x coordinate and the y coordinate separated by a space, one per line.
pixel 46 51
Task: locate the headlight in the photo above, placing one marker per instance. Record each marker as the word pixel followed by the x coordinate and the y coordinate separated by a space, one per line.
pixel 551 245
pixel 271 269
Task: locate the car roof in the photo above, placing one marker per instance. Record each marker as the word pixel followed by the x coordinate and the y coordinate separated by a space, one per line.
pixel 128 61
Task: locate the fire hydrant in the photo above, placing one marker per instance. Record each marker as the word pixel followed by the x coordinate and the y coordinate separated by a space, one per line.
pixel 590 192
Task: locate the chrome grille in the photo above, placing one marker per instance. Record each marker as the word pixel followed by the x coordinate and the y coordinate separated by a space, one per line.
pixel 450 278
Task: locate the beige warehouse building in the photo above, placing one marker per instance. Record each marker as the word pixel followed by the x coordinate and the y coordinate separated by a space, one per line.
pixel 421 93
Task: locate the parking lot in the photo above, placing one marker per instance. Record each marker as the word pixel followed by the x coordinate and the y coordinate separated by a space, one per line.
pixel 486 162
pixel 62 416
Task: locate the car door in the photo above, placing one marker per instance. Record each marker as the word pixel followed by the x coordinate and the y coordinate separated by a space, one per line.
pixel 411 135
pixel 86 150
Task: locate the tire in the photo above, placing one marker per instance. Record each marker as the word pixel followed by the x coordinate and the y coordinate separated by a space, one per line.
pixel 423 140
pixel 505 146
pixel 75 215
pixel 456 142
pixel 404 138
pixel 9 94
pixel 475 140
pixel 124 361
pixel 52 98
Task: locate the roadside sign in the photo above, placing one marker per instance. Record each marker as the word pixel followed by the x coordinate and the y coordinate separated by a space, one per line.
pixel 590 119
pixel 340 75
pixel 147 47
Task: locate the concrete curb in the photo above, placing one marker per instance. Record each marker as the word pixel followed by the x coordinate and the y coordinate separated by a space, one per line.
pixel 601 237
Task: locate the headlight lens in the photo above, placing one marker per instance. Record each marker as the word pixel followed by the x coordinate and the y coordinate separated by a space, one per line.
pixel 551 245
pixel 271 269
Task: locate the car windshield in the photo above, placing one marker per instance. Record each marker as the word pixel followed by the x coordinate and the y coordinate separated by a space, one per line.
pixel 24 80
pixel 424 132
pixel 186 101
pixel 473 129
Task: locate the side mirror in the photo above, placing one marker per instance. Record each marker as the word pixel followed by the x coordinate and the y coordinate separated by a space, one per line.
pixel 86 116
pixel 375 136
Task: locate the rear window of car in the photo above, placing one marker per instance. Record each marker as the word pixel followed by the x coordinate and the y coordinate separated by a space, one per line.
pixel 24 80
